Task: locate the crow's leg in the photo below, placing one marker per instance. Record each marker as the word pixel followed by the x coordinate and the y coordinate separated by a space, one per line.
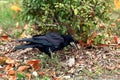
pixel 50 53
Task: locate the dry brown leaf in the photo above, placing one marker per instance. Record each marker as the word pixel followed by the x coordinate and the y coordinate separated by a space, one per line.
pixel 52 73
pixel 118 20
pixel 12 78
pixel 42 73
pixel 72 70
pixel 116 39
pixel 29 76
pixel 113 24
pixel 5 37
pixel 11 72
pixel 102 26
pixel 81 62
pixel 89 41
pixel 10 61
pixel 8 67
pixel 22 68
pixel 93 35
pixel 118 65
pixel 3 59
pixel 110 67
pixel 26 27
pixel 35 64
pixel 56 78
pixel 92 13
pixel 102 45
pixel 3 76
pixel 82 44
pixel 23 35
pixel 118 46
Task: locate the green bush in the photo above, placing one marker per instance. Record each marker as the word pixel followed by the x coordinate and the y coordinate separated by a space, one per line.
pixel 78 17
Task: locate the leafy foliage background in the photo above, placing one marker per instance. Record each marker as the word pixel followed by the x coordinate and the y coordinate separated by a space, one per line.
pixel 78 17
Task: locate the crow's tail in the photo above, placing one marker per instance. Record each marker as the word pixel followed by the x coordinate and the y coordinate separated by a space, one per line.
pixel 24 46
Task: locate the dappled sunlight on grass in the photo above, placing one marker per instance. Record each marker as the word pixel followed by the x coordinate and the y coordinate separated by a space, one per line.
pixel 9 18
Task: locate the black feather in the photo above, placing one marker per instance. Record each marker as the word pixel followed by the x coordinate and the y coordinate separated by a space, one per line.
pixel 46 43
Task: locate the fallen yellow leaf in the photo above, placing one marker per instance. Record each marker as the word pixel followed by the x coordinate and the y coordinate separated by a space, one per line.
pixel 117 4
pixel 16 8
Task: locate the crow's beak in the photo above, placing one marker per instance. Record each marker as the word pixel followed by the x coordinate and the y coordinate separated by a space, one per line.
pixel 73 45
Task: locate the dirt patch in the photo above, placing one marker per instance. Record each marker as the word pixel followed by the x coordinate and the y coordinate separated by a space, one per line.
pixel 86 63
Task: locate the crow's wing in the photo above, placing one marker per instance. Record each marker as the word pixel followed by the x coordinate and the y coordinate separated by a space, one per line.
pixel 49 39
pixel 37 40
pixel 24 46
pixel 55 38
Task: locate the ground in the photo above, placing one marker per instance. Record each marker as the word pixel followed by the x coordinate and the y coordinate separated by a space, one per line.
pixel 92 63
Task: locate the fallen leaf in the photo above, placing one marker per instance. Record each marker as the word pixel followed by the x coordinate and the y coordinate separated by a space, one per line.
pixel 92 13
pixel 117 4
pixel 26 27
pixel 72 70
pixel 113 24
pixel 3 59
pixel 23 35
pixel 94 34
pixel 102 26
pixel 116 39
pixel 16 8
pixel 29 76
pixel 11 72
pixel 110 67
pixel 22 68
pixel 10 61
pixel 42 73
pixel 118 20
pixel 118 65
pixel 89 41
pixel 12 78
pixel 118 46
pixel 8 67
pixel 5 37
pixel 91 37
pixel 102 45
pixel 82 44
pixel 53 75
pixel 35 64
pixel 56 78
pixel 3 76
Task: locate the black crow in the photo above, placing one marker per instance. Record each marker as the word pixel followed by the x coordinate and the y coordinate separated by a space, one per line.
pixel 47 43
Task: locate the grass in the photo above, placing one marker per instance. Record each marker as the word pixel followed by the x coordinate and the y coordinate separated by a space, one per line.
pixel 8 17
pixel 47 61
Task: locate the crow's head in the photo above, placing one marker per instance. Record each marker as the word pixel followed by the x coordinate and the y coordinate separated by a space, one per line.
pixel 68 39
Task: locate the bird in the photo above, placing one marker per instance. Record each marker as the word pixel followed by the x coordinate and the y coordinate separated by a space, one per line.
pixel 47 43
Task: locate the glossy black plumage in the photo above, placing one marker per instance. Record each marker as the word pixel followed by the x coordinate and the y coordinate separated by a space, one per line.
pixel 47 43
